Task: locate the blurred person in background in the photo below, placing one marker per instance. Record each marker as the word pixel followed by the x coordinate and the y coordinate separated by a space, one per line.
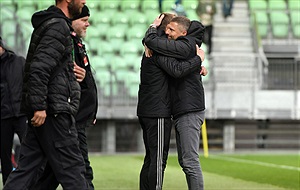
pixel 187 93
pixel 154 102
pixel 206 10
pixel 86 115
pixel 12 120
pixel 160 6
pixel 50 98
pixel 227 8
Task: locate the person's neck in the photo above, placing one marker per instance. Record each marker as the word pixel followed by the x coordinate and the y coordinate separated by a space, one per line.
pixel 64 8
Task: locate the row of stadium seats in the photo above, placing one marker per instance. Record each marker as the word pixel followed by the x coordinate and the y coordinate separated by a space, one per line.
pixel 265 5
pixel 101 5
pixel 279 23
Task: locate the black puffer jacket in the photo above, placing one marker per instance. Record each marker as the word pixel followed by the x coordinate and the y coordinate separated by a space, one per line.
pixel 187 93
pixel 49 82
pixel 12 69
pixel 154 93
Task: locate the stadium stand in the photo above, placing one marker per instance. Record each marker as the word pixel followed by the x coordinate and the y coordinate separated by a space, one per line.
pixel 254 75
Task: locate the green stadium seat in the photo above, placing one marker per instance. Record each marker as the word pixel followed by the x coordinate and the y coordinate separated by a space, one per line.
pixel 277 5
pixel 151 15
pixel 136 33
pixel 10 27
pixel 6 14
pixel 138 19
pixel 92 32
pixel 94 6
pixel 150 5
pixel 192 15
pixel 133 62
pixel 102 20
pixel 93 45
pixel 295 23
pixel 295 17
pixel 9 33
pixel 294 5
pixel 261 17
pixel 8 5
pixel 262 20
pixel 99 63
pixel 107 83
pixel 26 29
pixel 121 76
pixel 113 5
pixel 258 5
pixel 280 31
pixel 133 90
pixel 44 4
pixel 24 14
pixel 118 63
pixel 190 4
pixel 120 19
pixel 130 5
pixel 10 41
pixel 130 80
pixel 116 34
pixel 279 17
pixel 167 5
pixel 106 50
pixel 129 47
pixel 27 4
pixel 279 24
pixel 263 30
pixel 132 84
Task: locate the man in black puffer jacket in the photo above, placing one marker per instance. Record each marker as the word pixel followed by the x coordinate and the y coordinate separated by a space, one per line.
pixel 86 115
pixel 12 121
pixel 187 94
pixel 51 99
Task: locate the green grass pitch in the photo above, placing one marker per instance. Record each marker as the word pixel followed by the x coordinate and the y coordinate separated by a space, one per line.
pixel 221 172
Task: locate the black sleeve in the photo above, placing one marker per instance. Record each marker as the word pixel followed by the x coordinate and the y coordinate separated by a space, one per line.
pixel 178 68
pixel 180 48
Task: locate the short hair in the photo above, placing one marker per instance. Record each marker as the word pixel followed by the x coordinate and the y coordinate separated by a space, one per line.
pixel 183 21
pixel 166 20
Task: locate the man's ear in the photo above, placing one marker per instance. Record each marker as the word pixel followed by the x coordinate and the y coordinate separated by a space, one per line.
pixel 184 33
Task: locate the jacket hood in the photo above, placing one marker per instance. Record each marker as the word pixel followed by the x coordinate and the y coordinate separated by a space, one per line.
pixel 196 30
pixel 52 12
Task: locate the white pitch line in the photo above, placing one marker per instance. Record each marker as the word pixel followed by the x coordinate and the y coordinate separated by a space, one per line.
pixel 255 162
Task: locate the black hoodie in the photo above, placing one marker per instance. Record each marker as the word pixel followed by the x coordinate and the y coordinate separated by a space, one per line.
pixel 40 17
pixel 187 93
pixel 50 51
